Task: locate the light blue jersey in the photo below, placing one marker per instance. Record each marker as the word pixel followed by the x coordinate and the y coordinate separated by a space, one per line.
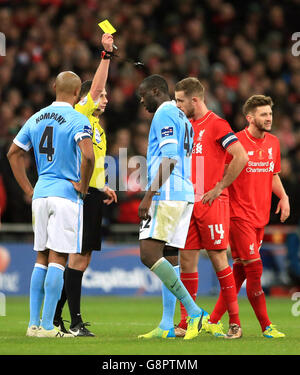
pixel 171 135
pixel 54 132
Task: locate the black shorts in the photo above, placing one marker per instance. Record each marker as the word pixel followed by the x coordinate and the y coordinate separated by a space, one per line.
pixel 92 220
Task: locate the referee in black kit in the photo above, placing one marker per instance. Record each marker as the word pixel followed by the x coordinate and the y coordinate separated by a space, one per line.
pixel 93 100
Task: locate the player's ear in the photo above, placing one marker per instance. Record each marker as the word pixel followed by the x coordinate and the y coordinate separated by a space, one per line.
pixel 155 91
pixel 249 117
pixel 194 100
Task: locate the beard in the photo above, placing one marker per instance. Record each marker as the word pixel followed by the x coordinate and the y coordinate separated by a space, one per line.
pixel 190 112
pixel 263 126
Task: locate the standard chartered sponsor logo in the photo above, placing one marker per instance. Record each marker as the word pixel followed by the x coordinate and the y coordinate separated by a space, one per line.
pixel 257 170
pixel 258 163
pixel 259 167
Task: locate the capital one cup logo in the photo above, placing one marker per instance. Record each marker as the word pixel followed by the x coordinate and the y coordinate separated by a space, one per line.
pixel 2 45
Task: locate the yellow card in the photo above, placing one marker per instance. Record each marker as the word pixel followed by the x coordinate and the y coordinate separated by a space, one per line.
pixel 107 27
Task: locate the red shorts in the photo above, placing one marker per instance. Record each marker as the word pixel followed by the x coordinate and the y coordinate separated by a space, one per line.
pixel 245 240
pixel 209 226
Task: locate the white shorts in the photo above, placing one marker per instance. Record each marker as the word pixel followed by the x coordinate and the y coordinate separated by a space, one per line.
pixel 169 222
pixel 57 225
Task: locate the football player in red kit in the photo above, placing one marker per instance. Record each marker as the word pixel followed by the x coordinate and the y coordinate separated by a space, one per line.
pixel 250 202
pixel 209 226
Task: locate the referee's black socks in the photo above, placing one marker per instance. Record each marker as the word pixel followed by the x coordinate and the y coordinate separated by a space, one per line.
pixel 73 282
pixel 60 303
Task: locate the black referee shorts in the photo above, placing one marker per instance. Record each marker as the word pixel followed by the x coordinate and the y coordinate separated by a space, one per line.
pixel 92 220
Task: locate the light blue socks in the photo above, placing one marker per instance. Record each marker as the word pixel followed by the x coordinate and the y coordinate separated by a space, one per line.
pixel 165 271
pixel 53 287
pixel 36 293
pixel 169 305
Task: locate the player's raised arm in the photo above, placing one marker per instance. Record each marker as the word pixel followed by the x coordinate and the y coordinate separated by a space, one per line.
pixel 100 78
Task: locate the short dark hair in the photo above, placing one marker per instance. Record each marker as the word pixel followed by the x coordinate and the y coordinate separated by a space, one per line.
pixel 156 81
pixel 85 88
pixel 256 101
pixel 190 86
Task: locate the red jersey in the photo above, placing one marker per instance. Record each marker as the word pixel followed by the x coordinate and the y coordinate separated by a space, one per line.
pixel 212 136
pixel 251 192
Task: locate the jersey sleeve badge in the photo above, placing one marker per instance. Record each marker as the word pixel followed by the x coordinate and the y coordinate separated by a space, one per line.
pixel 167 131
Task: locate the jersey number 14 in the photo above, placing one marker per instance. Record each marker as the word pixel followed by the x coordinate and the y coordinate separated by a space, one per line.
pixel 216 229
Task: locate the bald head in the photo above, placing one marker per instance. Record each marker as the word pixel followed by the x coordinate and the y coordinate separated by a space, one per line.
pixel 67 83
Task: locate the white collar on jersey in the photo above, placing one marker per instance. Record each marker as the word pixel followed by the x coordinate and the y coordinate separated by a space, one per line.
pixel 61 104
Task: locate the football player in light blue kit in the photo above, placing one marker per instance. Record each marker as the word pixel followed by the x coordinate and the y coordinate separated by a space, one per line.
pixel 60 138
pixel 168 202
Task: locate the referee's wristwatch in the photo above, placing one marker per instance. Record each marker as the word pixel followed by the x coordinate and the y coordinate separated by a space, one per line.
pixel 107 55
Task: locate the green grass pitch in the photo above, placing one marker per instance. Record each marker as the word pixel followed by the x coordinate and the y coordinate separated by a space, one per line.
pixel 117 321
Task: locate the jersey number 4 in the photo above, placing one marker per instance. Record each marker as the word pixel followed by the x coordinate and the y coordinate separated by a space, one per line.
pixel 46 143
pixel 188 140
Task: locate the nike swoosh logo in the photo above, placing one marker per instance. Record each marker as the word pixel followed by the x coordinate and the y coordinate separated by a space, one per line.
pixel 172 286
pixel 74 332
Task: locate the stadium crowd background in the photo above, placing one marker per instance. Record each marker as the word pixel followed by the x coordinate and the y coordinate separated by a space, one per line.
pixel 235 48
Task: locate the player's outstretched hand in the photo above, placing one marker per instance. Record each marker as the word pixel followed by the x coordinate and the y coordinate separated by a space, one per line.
pixel 284 207
pixel 111 195
pixel 107 42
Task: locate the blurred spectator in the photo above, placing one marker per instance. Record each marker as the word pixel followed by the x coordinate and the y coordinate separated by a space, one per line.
pixel 2 198
pixel 291 181
pixel 130 199
pixel 284 132
pixel 117 159
pixel 139 135
pixel 135 178
pixel 295 161
pixel 18 205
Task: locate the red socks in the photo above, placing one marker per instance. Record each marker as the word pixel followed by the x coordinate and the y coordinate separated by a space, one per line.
pixel 227 300
pixel 228 291
pixel 220 307
pixel 255 292
pixel 239 275
pixel 252 272
pixel 190 281
pixel 230 283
